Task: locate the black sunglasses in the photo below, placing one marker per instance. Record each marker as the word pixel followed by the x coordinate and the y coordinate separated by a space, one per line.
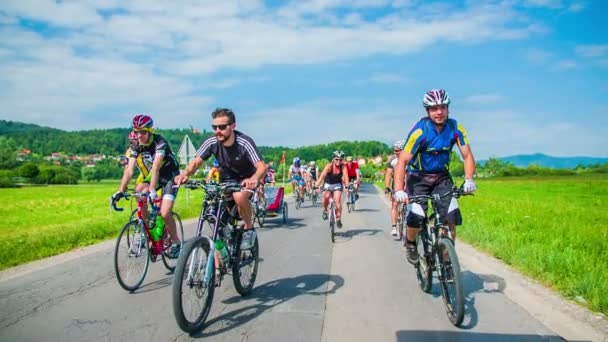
pixel 338 159
pixel 221 127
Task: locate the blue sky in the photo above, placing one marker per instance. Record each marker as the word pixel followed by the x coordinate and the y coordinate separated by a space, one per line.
pixel 524 76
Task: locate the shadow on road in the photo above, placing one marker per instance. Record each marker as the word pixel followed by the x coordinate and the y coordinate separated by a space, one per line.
pixel 420 335
pixel 155 285
pixel 478 283
pixel 277 223
pixel 347 235
pixel 269 295
pixel 362 210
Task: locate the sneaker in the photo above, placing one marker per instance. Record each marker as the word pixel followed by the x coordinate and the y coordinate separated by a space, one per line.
pixel 325 215
pixel 339 224
pixel 248 239
pixel 175 250
pixel 412 252
pixel 394 231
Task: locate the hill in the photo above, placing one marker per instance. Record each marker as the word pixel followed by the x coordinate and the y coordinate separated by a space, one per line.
pixel 45 140
pixel 552 162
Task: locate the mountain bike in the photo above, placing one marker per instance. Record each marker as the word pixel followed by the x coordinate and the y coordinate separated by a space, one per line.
pixel 402 211
pixel 135 247
pixel 350 203
pixel 197 273
pixel 435 244
pixel 258 208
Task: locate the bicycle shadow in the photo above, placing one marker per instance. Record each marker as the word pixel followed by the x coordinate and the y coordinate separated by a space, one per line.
pixel 347 235
pixel 478 283
pixel 363 210
pixel 155 285
pixel 277 223
pixel 269 295
pixel 442 335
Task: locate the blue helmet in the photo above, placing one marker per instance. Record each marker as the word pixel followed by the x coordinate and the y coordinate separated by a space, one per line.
pixel 296 160
pixel 215 163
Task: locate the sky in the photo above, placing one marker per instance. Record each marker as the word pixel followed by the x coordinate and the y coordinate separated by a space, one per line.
pixel 524 76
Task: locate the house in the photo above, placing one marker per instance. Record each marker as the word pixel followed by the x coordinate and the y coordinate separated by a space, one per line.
pixel 21 155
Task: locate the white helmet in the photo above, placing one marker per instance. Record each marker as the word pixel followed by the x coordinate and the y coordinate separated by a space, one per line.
pixel 436 97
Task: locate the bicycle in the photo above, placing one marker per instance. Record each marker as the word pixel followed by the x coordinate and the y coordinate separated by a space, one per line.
pixel 402 211
pixel 350 203
pixel 196 274
pixel 314 197
pixel 141 248
pixel 299 199
pixel 258 208
pixel 433 249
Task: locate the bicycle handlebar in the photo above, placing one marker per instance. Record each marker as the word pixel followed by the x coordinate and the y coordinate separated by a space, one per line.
pixel 452 193
pixel 138 195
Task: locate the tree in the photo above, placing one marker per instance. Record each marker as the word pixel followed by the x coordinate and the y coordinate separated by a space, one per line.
pixel 8 153
pixel 29 171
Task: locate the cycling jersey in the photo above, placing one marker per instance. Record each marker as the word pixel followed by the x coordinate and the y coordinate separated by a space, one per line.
pixel 237 161
pixel 313 171
pixel 296 172
pixel 432 149
pixel 334 178
pixel 351 169
pixel 145 154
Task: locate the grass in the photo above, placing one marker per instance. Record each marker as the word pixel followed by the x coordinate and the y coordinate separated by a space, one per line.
pixel 553 229
pixel 48 220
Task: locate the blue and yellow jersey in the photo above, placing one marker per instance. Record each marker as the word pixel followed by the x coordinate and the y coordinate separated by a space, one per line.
pixel 431 149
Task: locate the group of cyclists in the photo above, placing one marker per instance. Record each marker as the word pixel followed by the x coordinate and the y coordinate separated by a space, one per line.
pixel 419 165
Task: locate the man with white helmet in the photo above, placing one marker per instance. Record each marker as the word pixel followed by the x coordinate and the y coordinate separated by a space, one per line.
pixel 296 175
pixel 389 182
pixel 426 154
pixel 312 174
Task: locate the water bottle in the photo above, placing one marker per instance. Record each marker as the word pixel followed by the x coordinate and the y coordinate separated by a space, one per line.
pixel 159 228
pixel 222 251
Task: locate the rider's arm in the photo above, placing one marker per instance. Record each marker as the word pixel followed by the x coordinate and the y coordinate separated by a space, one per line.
pixel 190 170
pixel 469 161
pixel 127 175
pixel 387 177
pixel 155 170
pixel 399 177
pixel 345 179
pixel 260 170
pixel 323 174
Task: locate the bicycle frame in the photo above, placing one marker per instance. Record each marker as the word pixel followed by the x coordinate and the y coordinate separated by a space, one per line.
pixel 157 246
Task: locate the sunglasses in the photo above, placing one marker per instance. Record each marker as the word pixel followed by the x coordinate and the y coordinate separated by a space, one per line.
pixel 140 132
pixel 221 127
pixel 338 159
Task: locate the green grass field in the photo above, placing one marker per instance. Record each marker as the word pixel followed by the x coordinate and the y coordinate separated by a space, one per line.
pixel 553 229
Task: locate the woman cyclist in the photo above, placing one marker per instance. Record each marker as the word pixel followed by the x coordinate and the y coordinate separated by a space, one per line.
pixel 335 177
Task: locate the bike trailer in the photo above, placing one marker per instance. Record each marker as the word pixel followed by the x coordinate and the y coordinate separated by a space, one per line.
pixel 274 198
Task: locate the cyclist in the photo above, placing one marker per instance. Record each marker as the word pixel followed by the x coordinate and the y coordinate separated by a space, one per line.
pixel 239 161
pixel 389 182
pixel 313 172
pixel 352 169
pixel 157 165
pixel 214 173
pixel 270 176
pixel 334 175
pixel 296 175
pixel 427 156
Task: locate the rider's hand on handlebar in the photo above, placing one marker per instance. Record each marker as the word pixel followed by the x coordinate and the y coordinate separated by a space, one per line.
pixel 387 190
pixel 153 196
pixel 469 186
pixel 250 183
pixel 117 196
pixel 400 196
pixel 180 179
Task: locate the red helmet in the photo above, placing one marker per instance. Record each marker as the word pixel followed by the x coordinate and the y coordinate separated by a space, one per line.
pixel 132 135
pixel 143 122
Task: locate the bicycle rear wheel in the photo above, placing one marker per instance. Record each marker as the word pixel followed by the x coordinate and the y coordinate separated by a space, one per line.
pixel 192 298
pixel 424 270
pixel 131 256
pixel 170 263
pixel 451 281
pixel 261 213
pixel 245 267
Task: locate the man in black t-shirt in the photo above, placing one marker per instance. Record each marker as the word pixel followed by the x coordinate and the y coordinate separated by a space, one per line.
pixel 239 161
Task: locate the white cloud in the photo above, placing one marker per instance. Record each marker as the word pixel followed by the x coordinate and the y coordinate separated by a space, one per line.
pixel 553 4
pixel 564 64
pixel 538 56
pixel 593 50
pixel 482 99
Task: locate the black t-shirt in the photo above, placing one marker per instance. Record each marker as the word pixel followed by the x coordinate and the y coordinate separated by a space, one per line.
pixel 169 167
pixel 237 162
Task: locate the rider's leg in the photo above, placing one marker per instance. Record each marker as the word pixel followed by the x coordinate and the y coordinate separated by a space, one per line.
pixel 338 200
pixel 165 211
pixel 143 187
pixel 244 206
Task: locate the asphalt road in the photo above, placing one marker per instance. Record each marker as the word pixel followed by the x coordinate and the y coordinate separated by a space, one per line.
pixel 358 289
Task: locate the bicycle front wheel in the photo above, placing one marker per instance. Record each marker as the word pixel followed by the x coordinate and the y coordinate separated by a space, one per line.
pixel 131 256
pixel 245 268
pixel 451 281
pixel 424 271
pixel 169 262
pixel 332 222
pixel 192 298
pixel 261 213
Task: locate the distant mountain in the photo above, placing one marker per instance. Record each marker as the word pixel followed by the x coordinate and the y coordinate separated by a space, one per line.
pixel 550 161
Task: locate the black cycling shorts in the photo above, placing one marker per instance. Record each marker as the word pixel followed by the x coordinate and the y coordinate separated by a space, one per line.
pixel 427 184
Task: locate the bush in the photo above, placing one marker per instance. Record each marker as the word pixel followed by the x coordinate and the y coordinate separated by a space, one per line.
pixel 7 179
